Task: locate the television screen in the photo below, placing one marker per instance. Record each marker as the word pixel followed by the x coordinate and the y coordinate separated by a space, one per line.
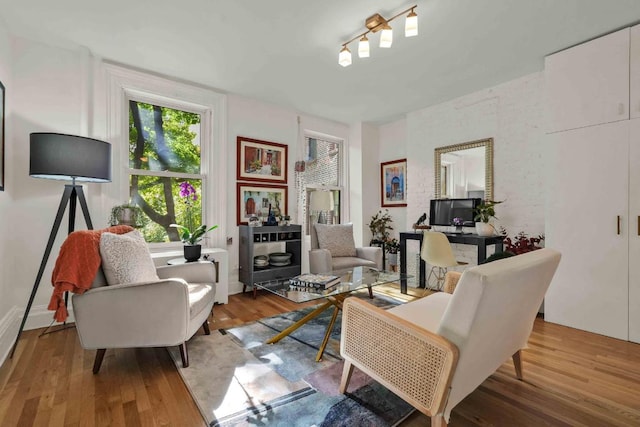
pixel 442 211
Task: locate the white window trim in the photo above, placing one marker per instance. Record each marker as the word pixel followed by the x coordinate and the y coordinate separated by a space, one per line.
pixel 123 84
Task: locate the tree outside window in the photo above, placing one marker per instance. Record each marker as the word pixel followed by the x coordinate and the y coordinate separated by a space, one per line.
pixel 164 151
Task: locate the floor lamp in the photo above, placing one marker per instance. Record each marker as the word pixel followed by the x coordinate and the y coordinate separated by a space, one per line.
pixel 70 158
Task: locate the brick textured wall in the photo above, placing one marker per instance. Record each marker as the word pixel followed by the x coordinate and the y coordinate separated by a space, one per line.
pixel 512 114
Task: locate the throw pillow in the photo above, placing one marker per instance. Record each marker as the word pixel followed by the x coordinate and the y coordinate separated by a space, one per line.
pixel 338 239
pixel 126 258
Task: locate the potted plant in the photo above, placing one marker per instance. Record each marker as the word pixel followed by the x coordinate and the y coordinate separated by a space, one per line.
pixel 190 233
pixel 380 225
pixel 392 247
pixel 483 214
pixel 127 214
pixel 521 243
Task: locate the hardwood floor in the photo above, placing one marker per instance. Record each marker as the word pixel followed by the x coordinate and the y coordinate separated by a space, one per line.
pixel 571 378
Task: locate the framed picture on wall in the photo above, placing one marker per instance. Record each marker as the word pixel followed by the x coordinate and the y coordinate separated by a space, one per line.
pixel 1 137
pixel 261 161
pixel 393 182
pixel 256 199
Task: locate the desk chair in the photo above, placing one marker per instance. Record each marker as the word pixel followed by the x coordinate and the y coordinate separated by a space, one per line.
pixel 436 251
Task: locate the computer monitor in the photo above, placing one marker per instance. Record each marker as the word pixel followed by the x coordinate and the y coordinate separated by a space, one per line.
pixel 442 211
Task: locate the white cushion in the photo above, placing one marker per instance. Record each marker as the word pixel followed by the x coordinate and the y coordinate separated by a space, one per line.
pixel 199 297
pixel 338 239
pixel 126 258
pixel 426 312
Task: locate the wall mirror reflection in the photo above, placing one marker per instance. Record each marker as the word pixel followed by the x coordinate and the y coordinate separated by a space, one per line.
pixel 322 206
pixel 464 170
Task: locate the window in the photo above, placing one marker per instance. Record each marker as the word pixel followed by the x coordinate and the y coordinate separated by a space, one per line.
pixel 164 151
pixel 322 177
pixel 164 132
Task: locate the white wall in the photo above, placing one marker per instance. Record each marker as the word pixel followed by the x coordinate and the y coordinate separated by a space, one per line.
pixel 512 114
pixel 393 146
pixel 259 120
pixel 7 322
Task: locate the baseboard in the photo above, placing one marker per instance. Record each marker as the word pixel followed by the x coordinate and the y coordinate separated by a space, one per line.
pixel 39 317
pixel 9 325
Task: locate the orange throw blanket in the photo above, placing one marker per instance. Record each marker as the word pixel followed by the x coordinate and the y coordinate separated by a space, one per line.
pixel 77 265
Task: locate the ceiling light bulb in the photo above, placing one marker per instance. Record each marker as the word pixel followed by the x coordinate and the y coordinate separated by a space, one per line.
pixel 344 58
pixel 411 25
pixel 386 37
pixel 363 47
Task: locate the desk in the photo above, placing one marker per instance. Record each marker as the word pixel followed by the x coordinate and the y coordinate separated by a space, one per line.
pixel 466 239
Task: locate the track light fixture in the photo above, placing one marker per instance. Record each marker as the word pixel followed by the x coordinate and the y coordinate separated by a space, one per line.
pixel 374 24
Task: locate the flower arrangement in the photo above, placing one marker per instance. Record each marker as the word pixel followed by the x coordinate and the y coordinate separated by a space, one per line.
pixel 521 242
pixel 190 233
pixel 458 221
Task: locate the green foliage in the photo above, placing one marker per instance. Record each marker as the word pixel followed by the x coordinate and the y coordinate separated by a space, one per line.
pixel 192 238
pixel 392 246
pixel 380 225
pixel 485 210
pixel 119 215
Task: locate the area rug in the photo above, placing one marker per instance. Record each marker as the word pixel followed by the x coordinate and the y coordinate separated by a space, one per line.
pixel 237 380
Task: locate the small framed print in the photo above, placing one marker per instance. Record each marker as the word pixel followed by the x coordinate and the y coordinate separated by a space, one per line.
pixel 393 177
pixel 255 200
pixel 261 161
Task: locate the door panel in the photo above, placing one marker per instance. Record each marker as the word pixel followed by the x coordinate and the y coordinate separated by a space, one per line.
pixel 588 187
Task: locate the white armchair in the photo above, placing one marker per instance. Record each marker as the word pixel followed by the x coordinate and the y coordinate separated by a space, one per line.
pixel 435 351
pixel 333 250
pixel 158 313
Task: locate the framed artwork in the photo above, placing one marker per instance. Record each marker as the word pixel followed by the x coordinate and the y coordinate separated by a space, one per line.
pixel 1 137
pixel 261 161
pixel 255 200
pixel 393 182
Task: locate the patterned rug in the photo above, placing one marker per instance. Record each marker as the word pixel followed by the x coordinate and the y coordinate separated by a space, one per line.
pixel 237 380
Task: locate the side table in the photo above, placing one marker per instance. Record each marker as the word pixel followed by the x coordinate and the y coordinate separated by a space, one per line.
pixel 176 261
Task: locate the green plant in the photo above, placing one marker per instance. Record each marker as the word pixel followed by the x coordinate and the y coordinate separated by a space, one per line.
pixel 190 233
pixel 127 214
pixel 485 211
pixel 380 225
pixel 392 246
pixel 255 165
pixel 521 242
pixel 275 169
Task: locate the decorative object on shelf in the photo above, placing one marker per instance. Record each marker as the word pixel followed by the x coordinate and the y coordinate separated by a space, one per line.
pixel 380 225
pixel 254 200
pixel 393 183
pixel 65 157
pixel 521 243
pixel 376 23
pixel 458 222
pixel 261 161
pixel 483 213
pixel 190 234
pixel 127 214
pixel 271 218
pixel 419 224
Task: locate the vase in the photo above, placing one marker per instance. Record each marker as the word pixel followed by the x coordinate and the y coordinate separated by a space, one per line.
pixel 393 259
pixel 484 229
pixel 192 252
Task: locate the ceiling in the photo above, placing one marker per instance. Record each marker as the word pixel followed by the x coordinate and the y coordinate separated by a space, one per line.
pixel 285 52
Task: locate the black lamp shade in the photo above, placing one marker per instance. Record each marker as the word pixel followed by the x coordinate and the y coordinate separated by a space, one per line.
pixel 65 157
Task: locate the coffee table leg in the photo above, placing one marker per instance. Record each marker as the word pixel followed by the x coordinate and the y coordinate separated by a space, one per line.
pixel 300 322
pixel 336 310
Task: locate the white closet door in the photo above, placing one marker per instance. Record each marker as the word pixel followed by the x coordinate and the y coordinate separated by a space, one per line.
pixel 588 84
pixel 588 188
pixel 634 77
pixel 634 231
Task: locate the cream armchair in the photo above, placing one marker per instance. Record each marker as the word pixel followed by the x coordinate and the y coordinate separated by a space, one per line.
pixel 159 313
pixel 435 351
pixel 333 250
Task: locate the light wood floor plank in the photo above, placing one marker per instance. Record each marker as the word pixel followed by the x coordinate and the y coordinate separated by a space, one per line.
pixel 571 378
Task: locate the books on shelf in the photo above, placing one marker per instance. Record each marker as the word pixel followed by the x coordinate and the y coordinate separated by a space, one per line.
pixel 321 281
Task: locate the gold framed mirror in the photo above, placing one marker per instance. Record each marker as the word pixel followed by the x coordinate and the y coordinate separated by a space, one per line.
pixel 464 170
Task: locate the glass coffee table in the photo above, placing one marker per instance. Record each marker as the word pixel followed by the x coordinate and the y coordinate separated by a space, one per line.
pixel 356 279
